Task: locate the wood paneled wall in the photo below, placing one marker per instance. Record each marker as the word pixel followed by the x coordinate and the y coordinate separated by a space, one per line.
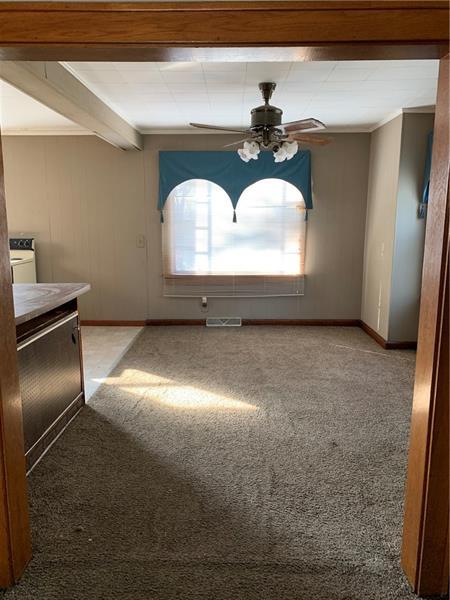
pixel 87 203
pixel 84 201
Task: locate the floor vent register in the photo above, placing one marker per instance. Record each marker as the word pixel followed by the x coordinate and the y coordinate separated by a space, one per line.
pixel 223 322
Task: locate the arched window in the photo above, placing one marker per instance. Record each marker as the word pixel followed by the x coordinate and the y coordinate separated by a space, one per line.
pixel 271 218
pixel 203 246
pixel 198 214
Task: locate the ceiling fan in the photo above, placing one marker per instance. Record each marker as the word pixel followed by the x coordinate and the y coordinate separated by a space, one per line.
pixel 267 132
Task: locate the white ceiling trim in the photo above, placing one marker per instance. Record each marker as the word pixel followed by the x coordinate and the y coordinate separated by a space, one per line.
pixel 178 132
pixel 218 132
pixel 42 132
pixel 401 111
pixel 387 119
pixel 420 109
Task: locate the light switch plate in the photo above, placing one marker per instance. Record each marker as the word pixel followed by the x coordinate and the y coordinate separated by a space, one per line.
pixel 140 241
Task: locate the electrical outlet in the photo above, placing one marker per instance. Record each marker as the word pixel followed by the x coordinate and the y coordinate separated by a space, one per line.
pixel 140 241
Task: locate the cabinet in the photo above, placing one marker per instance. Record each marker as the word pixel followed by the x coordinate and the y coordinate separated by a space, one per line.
pixel 51 381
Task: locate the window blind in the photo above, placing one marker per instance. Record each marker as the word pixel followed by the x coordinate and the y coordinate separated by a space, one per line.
pixel 205 253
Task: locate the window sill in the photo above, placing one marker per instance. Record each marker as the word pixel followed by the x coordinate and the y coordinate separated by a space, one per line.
pixel 228 279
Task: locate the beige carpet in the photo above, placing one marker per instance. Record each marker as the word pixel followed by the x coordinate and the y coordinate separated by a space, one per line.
pixel 232 464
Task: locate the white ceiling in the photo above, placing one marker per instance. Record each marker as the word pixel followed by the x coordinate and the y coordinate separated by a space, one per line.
pixel 168 95
pixel 20 113
pixel 345 95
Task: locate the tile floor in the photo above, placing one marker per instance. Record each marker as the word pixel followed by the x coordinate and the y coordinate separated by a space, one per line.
pixel 103 347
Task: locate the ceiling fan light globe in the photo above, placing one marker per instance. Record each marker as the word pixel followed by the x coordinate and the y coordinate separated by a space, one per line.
pixel 280 155
pixel 243 155
pixel 291 149
pixel 252 149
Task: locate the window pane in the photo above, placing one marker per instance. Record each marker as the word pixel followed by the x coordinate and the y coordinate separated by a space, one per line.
pixel 199 236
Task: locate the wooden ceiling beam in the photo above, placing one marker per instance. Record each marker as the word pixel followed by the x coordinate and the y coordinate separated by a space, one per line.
pixel 139 53
pixel 116 29
pixel 54 86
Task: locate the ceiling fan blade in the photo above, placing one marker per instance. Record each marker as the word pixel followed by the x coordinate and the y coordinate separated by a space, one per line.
pixel 309 139
pixel 236 143
pixel 203 126
pixel 303 125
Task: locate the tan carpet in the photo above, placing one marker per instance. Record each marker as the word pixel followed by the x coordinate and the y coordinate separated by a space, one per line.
pixel 255 463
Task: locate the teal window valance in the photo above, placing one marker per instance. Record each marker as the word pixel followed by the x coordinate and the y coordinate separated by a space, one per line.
pixel 226 169
pixel 426 178
pixel 427 171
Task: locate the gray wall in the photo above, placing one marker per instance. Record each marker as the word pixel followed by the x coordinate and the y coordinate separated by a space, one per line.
pixel 394 234
pixel 380 225
pixel 409 230
pixel 87 203
pixel 335 237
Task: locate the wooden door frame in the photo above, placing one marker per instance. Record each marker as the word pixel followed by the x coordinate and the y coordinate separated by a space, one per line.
pixel 242 31
pixel 425 530
pixel 15 537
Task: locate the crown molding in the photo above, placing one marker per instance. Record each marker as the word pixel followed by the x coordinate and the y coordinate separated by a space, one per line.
pixel 402 111
pixel 193 131
pixel 420 109
pixel 46 132
pixel 387 119
pixel 74 132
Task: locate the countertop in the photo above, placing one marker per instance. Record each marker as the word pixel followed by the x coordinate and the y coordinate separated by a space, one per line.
pixel 34 299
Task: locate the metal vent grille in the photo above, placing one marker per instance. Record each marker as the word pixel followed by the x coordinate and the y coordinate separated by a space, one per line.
pixel 223 322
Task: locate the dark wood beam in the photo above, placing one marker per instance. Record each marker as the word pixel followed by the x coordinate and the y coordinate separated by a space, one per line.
pixel 15 538
pixel 425 533
pixel 117 31
pixel 139 53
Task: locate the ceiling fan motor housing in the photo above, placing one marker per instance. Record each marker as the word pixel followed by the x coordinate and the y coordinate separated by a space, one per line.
pixel 267 132
pixel 266 116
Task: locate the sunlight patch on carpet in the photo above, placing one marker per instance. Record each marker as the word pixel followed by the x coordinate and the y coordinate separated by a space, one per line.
pixel 172 394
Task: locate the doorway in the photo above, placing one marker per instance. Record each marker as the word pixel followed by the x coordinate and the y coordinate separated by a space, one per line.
pixel 399 30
